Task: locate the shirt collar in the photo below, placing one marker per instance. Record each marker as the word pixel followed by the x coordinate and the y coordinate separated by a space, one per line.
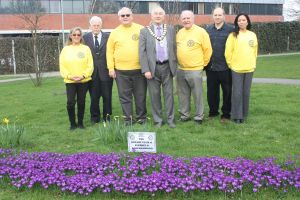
pixel 222 27
pixel 99 35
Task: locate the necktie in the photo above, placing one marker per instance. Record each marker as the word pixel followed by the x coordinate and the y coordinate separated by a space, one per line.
pixel 96 44
pixel 160 52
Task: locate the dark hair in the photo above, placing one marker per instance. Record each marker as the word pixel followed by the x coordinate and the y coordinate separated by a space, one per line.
pixel 236 26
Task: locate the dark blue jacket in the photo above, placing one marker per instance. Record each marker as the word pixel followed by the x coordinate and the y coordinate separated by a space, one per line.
pixel 218 39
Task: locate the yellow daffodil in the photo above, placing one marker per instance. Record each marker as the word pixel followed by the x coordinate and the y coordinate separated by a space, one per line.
pixel 5 120
pixel 104 124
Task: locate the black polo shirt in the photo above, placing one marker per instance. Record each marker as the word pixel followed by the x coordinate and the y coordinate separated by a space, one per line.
pixel 218 39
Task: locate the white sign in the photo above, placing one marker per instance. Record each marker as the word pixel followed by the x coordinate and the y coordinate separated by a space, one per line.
pixel 142 142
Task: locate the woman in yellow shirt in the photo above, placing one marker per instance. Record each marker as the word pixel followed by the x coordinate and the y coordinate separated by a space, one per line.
pixel 76 67
pixel 241 54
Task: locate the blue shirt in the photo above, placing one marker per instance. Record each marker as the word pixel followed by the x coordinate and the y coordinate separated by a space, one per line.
pixel 218 39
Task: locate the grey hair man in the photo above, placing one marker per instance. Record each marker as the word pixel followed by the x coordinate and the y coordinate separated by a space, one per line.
pixel 123 64
pixel 193 54
pixel 157 55
pixel 101 84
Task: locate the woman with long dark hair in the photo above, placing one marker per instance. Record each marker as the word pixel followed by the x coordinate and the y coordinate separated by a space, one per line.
pixel 76 67
pixel 241 53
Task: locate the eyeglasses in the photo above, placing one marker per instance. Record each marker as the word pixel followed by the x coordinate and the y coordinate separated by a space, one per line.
pixel 74 35
pixel 127 15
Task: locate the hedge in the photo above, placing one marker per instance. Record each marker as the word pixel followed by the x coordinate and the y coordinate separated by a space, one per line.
pixel 48 48
pixel 278 37
pixel 275 37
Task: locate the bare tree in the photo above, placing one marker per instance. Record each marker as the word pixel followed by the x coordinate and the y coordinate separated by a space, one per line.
pixel 292 10
pixel 172 8
pixel 31 12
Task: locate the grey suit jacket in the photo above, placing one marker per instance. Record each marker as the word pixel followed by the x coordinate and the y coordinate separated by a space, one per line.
pixel 100 65
pixel 147 50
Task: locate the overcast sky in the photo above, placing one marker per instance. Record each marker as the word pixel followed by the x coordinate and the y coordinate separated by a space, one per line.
pixel 288 5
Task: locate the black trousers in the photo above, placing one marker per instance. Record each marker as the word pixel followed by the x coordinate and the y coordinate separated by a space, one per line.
pixel 97 90
pixel 131 83
pixel 76 92
pixel 215 79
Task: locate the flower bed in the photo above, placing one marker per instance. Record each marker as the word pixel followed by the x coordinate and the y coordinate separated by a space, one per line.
pixel 85 172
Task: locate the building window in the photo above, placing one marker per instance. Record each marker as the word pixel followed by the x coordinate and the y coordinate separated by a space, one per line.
pixel 54 6
pixel 274 9
pixel 245 8
pixel 78 6
pixel 68 6
pixel 141 7
pixel 177 7
pixel 87 6
pixel 201 8
pixel 6 6
pixel 209 7
pixel 105 7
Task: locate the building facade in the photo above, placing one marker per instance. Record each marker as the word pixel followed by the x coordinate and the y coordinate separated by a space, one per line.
pixel 60 15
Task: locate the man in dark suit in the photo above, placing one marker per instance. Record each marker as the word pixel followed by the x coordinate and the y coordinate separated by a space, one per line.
pixel 217 72
pixel 157 52
pixel 101 85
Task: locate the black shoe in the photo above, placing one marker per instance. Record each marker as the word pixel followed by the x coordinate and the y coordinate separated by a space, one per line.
pixel 80 126
pixel 94 121
pixel 73 127
pixel 213 115
pixel 198 121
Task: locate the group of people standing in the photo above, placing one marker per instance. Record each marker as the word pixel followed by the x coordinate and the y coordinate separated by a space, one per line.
pixel 150 57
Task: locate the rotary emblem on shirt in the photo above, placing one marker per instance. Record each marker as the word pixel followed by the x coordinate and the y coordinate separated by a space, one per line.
pixel 251 43
pixel 190 43
pixel 135 37
pixel 80 54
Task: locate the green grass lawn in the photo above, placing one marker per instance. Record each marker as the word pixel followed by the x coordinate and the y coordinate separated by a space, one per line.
pixel 287 66
pixel 272 130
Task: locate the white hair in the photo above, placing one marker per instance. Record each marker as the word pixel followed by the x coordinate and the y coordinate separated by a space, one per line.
pixel 95 19
pixel 187 11
pixel 124 8
pixel 156 9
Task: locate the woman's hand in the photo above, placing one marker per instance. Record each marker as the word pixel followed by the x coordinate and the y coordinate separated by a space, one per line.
pixel 77 78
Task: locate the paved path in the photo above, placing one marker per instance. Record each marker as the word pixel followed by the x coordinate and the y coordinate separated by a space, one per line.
pixel 26 76
pixel 279 54
pixel 277 81
pixel 255 80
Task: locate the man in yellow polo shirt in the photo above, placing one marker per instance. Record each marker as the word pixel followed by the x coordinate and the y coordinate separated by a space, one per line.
pixel 123 65
pixel 193 53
